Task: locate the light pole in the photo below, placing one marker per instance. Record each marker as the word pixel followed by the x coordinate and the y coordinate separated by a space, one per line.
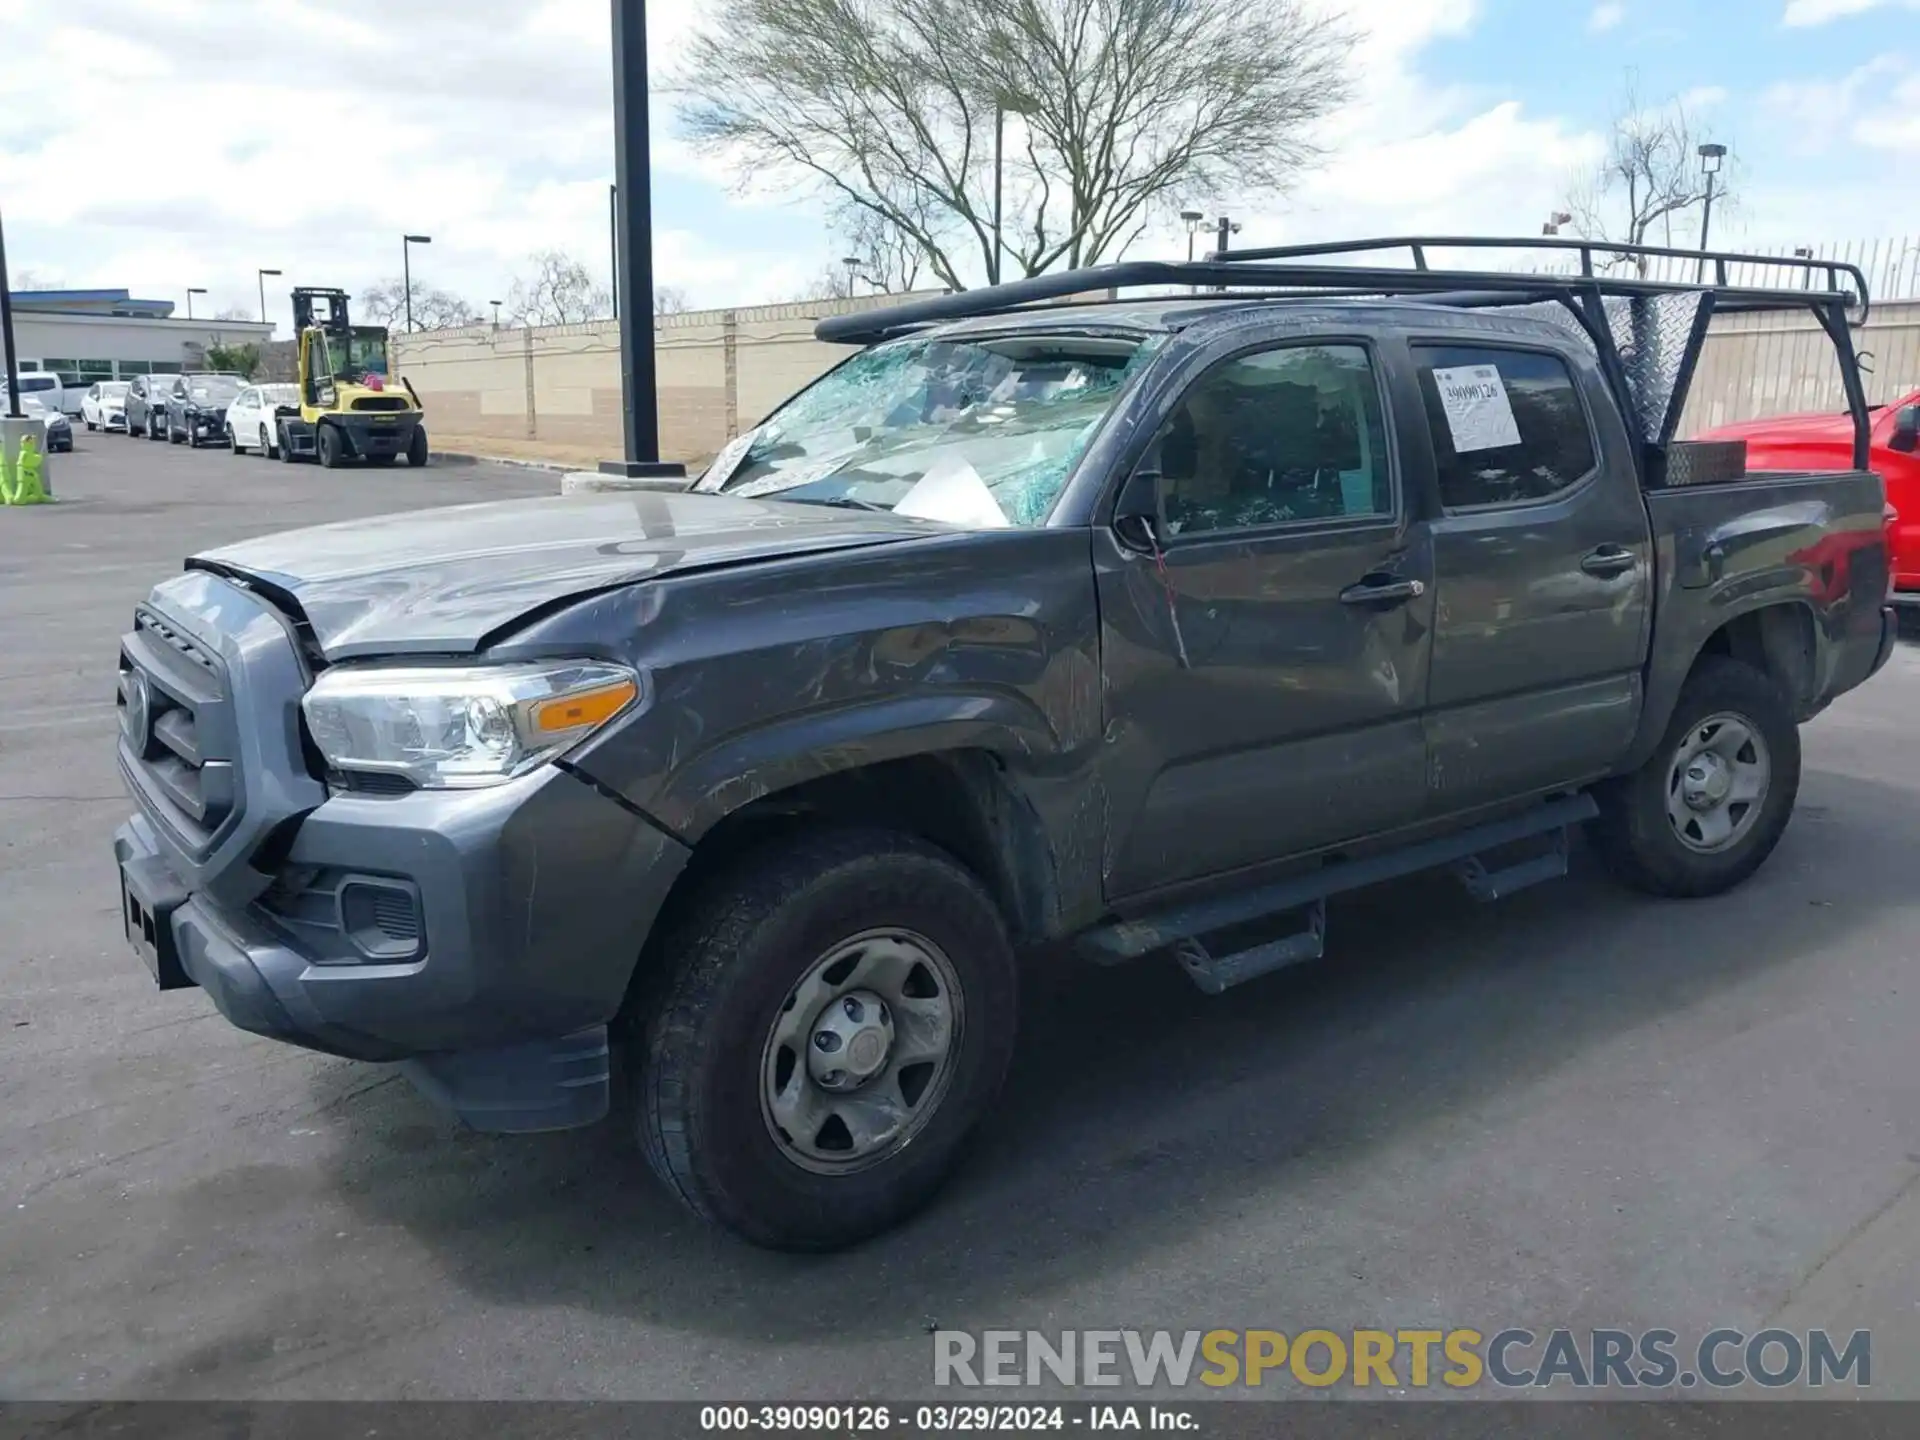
pixel 852 262
pixel 1711 157
pixel 613 242
pixel 407 242
pixel 263 293
pixel 193 290
pixel 496 313
pixel 1554 221
pixel 1194 220
pixel 632 165
pixel 6 334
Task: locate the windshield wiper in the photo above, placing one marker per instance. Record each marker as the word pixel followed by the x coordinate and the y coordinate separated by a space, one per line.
pixel 843 502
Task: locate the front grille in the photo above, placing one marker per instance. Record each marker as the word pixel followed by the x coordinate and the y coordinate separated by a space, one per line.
pixel 382 402
pixel 171 701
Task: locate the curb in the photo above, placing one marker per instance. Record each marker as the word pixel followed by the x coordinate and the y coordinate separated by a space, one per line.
pixel 514 462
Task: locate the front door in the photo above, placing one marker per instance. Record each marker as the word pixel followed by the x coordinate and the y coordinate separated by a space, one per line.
pixel 1266 655
pixel 1543 561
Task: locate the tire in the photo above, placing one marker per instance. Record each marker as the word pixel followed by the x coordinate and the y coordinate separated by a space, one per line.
pixel 326 444
pixel 286 449
pixel 705 1055
pixel 153 427
pixel 417 448
pixel 233 444
pixel 266 444
pixel 1637 835
pixel 91 426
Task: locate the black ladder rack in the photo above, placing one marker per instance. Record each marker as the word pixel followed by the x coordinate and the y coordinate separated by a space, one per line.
pixel 1311 272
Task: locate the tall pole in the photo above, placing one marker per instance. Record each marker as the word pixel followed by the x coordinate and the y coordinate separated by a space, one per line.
pixel 6 334
pixel 263 293
pixel 1706 221
pixel 613 240
pixel 633 270
pixel 999 135
pixel 406 278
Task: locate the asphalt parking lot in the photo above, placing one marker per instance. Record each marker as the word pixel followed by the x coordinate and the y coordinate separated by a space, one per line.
pixel 1579 1108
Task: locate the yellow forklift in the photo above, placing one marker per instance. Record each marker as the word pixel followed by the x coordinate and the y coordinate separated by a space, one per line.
pixel 350 409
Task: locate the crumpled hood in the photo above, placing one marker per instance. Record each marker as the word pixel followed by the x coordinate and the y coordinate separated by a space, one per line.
pixel 440 581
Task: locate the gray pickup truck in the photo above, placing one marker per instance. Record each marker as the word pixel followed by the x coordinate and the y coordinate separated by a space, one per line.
pixel 1135 628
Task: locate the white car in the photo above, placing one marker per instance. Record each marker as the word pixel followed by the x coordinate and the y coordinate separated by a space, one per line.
pixel 104 406
pixel 250 418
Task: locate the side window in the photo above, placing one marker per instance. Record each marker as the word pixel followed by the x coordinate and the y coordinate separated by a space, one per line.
pixel 1508 425
pixel 1294 434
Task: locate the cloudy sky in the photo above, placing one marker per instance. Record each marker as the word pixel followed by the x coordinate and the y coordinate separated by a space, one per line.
pixel 157 144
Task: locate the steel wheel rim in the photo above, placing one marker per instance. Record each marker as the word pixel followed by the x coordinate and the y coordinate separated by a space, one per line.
pixel 1717 783
pixel 875 1113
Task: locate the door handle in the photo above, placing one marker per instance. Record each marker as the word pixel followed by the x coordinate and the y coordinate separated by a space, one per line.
pixel 1383 590
pixel 1608 561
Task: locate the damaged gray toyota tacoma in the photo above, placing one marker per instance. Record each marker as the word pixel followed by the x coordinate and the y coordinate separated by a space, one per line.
pixel 1133 627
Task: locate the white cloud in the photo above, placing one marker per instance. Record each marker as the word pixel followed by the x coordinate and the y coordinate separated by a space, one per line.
pixel 1876 105
pixel 1606 17
pixel 1820 12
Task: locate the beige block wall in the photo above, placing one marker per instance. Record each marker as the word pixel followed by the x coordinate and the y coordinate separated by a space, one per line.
pixel 718 372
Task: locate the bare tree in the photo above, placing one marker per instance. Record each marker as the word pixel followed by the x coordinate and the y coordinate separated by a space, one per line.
pixel 385 303
pixel 1649 178
pixel 561 291
pixel 1105 113
pixel 670 300
pixel 234 312
pixel 829 282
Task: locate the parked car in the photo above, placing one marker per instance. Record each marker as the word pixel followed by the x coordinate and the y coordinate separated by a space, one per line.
pixel 1138 627
pixel 1825 441
pixel 56 430
pixel 197 407
pixel 252 415
pixel 147 405
pixel 42 385
pixel 105 405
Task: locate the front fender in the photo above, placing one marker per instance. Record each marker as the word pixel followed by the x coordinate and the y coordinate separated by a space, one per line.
pixel 705 788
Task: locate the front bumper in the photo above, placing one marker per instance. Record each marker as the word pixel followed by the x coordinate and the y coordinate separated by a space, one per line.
pixel 114 420
pixel 534 900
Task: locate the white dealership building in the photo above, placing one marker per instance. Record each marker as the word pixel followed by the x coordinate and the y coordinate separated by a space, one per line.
pixel 90 335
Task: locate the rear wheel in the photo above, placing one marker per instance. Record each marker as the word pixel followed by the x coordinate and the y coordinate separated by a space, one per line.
pixel 836 1016
pixel 327 444
pixel 417 447
pixel 1710 806
pixel 266 448
pixel 286 447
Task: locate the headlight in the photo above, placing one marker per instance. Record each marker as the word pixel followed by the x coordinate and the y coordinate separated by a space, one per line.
pixel 463 728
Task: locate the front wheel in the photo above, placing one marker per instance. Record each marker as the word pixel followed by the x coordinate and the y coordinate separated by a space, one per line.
pixel 153 427
pixel 285 447
pixel 1710 806
pixel 836 1015
pixel 266 447
pixel 328 447
pixel 233 444
pixel 417 447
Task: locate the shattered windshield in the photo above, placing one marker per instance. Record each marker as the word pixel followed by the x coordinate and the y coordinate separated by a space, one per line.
pixel 976 431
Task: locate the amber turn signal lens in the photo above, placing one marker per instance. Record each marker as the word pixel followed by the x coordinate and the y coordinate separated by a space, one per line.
pixel 587 708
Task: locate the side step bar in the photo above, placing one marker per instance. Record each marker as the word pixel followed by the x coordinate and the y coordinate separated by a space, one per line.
pixel 1183 929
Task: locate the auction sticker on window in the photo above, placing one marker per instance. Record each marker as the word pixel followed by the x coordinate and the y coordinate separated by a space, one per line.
pixel 1478 411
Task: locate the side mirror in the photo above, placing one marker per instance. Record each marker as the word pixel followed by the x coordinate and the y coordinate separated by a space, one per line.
pixel 1906 431
pixel 1137 513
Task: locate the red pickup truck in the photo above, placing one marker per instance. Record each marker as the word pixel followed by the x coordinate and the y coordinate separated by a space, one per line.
pixel 1821 442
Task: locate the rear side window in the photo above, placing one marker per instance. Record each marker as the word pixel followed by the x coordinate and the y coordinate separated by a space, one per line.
pixel 1508 426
